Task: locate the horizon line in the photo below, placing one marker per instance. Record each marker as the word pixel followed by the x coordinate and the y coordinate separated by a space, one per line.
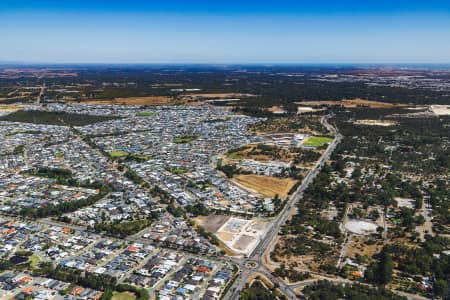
pixel 237 63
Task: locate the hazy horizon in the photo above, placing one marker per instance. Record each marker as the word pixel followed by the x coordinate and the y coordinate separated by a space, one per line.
pixel 225 32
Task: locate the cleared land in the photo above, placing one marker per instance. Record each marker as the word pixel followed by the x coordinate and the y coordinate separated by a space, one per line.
pixel 10 108
pixel 317 141
pixel 352 103
pixel 211 223
pixel 266 185
pixel 53 118
pixel 149 100
pixel 361 227
pixel 277 110
pixel 240 235
pixel 440 110
pixel 216 95
pixel 375 122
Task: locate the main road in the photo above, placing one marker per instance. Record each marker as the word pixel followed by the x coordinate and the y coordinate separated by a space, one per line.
pixel 254 264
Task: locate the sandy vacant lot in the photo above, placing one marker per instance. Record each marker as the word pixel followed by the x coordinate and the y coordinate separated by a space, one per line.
pixel 266 185
pixel 150 100
pixel 211 223
pixel 11 108
pixel 277 109
pixel 352 103
pixel 440 110
pixel 361 227
pixel 241 235
pixel 217 95
pixel 243 242
pixel 375 122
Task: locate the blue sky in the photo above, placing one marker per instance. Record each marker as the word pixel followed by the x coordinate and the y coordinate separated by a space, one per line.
pixel 130 31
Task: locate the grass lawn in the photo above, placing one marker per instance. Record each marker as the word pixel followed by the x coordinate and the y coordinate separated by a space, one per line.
pixel 34 261
pixel 118 154
pixel 184 139
pixel 316 141
pixel 147 114
pixel 176 170
pixel 123 296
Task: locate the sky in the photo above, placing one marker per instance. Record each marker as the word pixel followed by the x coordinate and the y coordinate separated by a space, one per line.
pixel 227 32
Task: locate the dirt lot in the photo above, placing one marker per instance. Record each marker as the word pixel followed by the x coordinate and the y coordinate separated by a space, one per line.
pixel 150 100
pixel 440 110
pixel 352 103
pixel 216 95
pixel 11 108
pixel 277 109
pixel 211 223
pixel 225 236
pixel 243 242
pixel 265 185
pixel 375 122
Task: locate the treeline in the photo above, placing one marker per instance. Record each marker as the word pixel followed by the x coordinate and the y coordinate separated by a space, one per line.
pixel 211 237
pixel 291 274
pixel 124 228
pixel 55 173
pixel 415 263
pixel 95 281
pixel 257 291
pixel 327 290
pixel 140 293
pixel 305 156
pixel 231 170
pixel 133 176
pixel 66 206
pixel 99 282
pixel 197 209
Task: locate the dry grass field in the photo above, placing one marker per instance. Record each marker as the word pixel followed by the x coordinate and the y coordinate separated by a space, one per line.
pixel 266 185
pixel 149 100
pixel 11 108
pixel 359 246
pixel 216 95
pixel 384 123
pixel 352 103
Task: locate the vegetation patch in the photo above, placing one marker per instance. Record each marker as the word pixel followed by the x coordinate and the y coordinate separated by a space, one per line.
pixel 118 154
pixel 176 170
pixel 126 156
pixel 327 290
pixel 147 114
pixel 22 131
pixel 317 141
pixel 123 296
pixel 123 228
pixel 54 118
pixel 185 139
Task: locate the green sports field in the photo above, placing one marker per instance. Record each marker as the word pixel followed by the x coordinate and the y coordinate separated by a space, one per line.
pixel 316 141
